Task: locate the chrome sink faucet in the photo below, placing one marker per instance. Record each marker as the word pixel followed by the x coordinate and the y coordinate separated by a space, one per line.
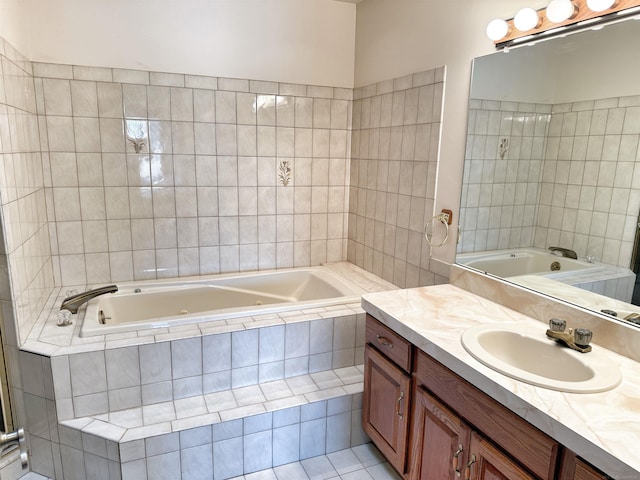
pixel 565 252
pixel 576 339
pixel 74 302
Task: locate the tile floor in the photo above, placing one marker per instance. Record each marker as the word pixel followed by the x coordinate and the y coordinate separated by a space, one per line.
pixel 359 463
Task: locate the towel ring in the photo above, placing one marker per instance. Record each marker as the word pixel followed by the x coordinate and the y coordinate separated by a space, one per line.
pixel 442 219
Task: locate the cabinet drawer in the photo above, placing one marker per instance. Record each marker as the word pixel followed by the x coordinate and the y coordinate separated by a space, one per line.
pixel 524 442
pixel 389 343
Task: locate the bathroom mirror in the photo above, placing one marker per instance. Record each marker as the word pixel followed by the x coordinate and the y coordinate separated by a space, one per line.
pixel 552 160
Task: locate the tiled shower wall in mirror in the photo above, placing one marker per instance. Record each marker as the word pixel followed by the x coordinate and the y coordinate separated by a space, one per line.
pixel 590 192
pixel 588 198
pixel 394 148
pixel 502 169
pixel 154 175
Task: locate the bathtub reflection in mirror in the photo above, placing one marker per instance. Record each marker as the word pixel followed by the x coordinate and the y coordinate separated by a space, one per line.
pixel 552 160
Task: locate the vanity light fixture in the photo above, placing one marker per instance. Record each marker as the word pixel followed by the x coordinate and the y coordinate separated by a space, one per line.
pixel 559 17
pixel 561 10
pixel 600 5
pixel 497 29
pixel 526 19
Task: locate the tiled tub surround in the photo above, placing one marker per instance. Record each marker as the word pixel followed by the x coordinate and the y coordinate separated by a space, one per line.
pixel 154 175
pixel 277 387
pixel 602 427
pixel 113 175
pixel 581 189
pixel 26 277
pixel 394 148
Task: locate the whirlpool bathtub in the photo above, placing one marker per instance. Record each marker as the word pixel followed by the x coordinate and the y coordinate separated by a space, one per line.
pixel 533 268
pixel 525 261
pixel 159 304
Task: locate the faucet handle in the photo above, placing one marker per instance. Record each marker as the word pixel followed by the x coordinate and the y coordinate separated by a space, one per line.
pixel 582 336
pixel 557 325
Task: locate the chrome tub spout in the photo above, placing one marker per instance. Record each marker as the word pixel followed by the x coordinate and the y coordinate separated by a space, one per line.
pixel 565 252
pixel 74 302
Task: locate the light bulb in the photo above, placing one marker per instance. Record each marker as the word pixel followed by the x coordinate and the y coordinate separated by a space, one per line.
pixel 560 10
pixel 526 19
pixel 600 5
pixel 497 29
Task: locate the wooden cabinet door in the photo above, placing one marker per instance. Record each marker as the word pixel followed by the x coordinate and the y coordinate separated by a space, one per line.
pixel 486 462
pixel 439 440
pixel 586 472
pixel 385 407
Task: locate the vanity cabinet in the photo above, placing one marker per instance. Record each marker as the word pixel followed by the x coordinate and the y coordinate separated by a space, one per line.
pixel 492 442
pixel 456 430
pixel 385 406
pixel 444 446
pixel 439 439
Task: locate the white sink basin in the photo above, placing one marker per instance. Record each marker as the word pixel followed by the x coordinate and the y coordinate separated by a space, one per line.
pixel 529 356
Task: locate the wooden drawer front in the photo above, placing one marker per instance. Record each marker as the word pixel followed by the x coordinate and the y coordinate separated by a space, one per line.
pixel 528 445
pixel 389 343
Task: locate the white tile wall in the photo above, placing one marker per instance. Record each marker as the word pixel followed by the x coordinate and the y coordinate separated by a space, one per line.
pixel 395 137
pixel 26 277
pixel 27 281
pixel 203 194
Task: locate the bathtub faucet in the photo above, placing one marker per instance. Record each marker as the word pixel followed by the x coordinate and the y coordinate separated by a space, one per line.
pixel 565 252
pixel 74 302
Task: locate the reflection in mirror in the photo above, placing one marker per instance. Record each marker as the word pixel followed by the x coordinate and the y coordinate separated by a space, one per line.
pixel 552 160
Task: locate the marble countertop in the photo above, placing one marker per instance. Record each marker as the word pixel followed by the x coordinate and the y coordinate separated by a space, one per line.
pixel 603 428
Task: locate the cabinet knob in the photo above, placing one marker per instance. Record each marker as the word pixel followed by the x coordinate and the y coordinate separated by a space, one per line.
pixel 384 341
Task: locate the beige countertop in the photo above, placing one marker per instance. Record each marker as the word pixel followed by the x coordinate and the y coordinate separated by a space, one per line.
pixel 603 428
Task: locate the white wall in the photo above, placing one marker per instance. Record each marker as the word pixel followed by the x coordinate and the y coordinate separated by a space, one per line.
pixel 395 38
pixel 607 64
pixel 521 75
pixel 295 41
pixel 12 25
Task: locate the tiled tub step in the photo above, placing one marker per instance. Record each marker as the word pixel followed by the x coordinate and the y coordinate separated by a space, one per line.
pixel 220 435
pixel 363 462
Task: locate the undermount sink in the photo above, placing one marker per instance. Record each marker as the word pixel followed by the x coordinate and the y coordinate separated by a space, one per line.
pixel 527 355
